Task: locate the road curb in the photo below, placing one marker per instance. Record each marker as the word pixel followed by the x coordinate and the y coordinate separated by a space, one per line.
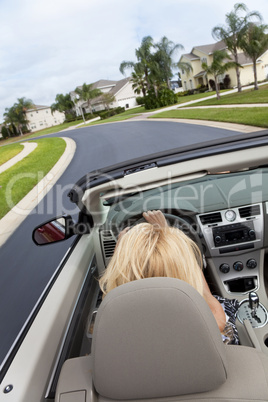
pixel 241 128
pixel 10 222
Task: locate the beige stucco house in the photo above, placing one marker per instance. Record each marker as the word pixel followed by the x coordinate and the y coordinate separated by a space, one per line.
pixel 204 53
pixel 121 90
pixel 40 117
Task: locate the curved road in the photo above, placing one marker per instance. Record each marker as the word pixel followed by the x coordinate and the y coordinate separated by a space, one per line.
pixel 25 268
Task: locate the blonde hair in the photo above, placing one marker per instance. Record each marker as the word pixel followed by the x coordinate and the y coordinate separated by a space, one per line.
pixel 147 251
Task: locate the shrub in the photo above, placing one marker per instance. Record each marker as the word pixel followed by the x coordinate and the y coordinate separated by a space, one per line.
pixel 140 100
pixel 227 81
pixel 202 88
pixel 4 132
pixel 212 85
pixel 165 97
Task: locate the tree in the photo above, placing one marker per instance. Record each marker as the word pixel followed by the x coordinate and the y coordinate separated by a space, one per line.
pixel 144 57
pixel 234 30
pixel 5 132
pixel 138 83
pixel 87 93
pixel 107 98
pixel 21 108
pixel 16 114
pixel 218 67
pixel 63 104
pixel 254 44
pixel 165 50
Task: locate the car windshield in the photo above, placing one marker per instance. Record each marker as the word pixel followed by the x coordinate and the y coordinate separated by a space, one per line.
pixel 208 193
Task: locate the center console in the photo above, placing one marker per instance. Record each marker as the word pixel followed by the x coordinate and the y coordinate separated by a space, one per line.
pixel 234 238
pixel 235 254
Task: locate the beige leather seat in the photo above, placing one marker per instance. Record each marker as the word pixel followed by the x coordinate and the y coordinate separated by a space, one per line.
pixel 157 340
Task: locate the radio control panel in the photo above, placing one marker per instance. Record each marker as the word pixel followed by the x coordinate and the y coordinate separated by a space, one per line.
pixel 233 234
pixel 233 230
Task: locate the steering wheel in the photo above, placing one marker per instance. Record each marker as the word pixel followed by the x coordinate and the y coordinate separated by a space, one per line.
pixel 181 224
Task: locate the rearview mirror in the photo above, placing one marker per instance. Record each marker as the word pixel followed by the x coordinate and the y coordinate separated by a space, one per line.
pixel 58 229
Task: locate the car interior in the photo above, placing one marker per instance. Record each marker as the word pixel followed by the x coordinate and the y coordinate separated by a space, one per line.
pixel 224 210
pixel 156 339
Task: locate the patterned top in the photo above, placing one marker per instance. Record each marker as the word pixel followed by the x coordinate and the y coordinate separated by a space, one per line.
pixel 230 333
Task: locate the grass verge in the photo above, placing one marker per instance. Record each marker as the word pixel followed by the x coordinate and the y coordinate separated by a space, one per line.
pixel 9 151
pixel 249 116
pixel 17 181
pixel 248 96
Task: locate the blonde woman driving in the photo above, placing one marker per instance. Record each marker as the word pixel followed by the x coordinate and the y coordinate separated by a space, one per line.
pixel 154 249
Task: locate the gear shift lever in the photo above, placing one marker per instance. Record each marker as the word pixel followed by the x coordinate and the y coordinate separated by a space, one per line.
pixel 253 300
pixel 253 303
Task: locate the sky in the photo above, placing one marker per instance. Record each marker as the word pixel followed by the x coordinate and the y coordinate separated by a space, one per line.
pixel 49 47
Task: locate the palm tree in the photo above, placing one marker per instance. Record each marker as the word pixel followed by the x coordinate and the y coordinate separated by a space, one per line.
pixel 10 116
pixel 254 44
pixel 17 113
pixel 232 34
pixel 63 104
pixel 138 83
pixel 218 67
pixel 87 93
pixel 163 56
pixel 107 98
pixel 144 57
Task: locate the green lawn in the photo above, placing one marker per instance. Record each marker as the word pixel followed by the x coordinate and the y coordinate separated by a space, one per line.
pixel 9 151
pixel 248 96
pixel 189 98
pixel 17 181
pixel 250 116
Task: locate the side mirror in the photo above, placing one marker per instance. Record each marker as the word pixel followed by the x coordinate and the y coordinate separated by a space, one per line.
pixel 53 231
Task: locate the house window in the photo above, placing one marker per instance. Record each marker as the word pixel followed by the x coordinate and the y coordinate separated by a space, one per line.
pixel 191 84
pixel 37 111
pixel 185 85
pixel 127 106
pixel 47 111
pixel 31 115
pixel 41 123
pixel 204 60
pixel 33 126
pixel 182 71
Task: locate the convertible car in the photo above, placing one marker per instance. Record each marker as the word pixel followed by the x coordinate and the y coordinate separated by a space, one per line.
pixel 154 339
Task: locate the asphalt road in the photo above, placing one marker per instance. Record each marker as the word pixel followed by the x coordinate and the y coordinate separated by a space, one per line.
pixel 25 268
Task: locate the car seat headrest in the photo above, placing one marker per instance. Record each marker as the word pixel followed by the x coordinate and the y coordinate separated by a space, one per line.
pixel 154 338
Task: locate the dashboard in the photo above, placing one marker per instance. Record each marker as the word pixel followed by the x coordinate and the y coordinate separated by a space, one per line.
pixel 227 210
pixel 229 213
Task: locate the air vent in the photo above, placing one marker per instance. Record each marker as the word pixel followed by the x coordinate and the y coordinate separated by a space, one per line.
pixel 252 210
pixel 210 218
pixel 108 243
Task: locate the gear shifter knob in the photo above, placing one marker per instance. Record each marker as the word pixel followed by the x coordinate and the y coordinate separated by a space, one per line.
pixel 253 301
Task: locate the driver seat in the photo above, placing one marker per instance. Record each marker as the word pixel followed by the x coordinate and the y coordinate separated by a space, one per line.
pixel 156 339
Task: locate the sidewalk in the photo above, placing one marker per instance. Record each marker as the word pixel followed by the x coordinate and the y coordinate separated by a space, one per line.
pixel 10 222
pixel 28 148
pixel 226 106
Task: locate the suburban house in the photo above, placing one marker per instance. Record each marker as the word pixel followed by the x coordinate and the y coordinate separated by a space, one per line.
pixel 40 117
pixel 121 90
pixel 204 53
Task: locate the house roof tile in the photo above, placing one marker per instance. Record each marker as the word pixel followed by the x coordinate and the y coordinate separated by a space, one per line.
pixel 38 107
pixel 191 56
pixel 209 49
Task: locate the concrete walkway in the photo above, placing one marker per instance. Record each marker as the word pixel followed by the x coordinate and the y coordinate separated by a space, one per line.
pixel 28 148
pixel 225 106
pixel 10 222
